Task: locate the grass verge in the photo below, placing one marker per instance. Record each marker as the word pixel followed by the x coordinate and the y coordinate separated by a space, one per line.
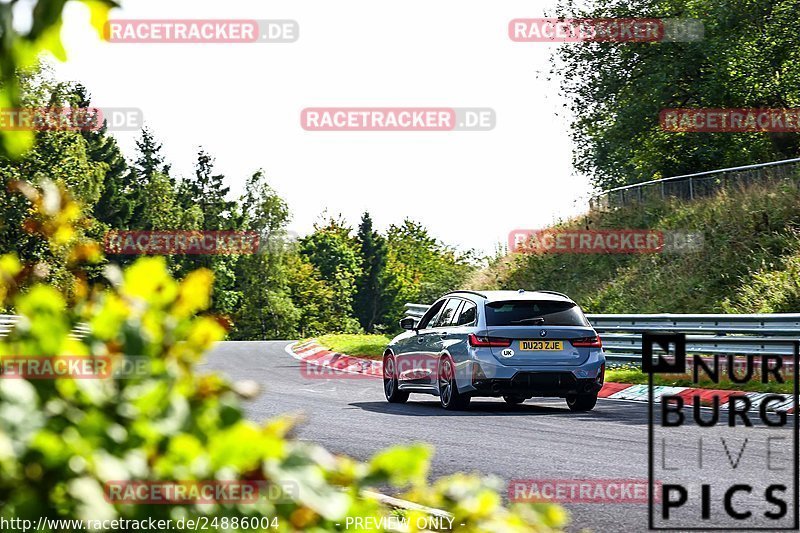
pixel 634 375
pixel 367 346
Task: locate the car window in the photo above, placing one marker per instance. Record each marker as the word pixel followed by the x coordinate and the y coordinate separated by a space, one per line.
pixel 468 315
pixel 534 313
pixel 431 314
pixel 448 313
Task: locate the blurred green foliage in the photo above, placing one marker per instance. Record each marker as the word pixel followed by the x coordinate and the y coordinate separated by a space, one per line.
pixel 20 51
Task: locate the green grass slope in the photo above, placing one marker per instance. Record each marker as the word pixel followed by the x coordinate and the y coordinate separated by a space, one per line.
pixel 749 262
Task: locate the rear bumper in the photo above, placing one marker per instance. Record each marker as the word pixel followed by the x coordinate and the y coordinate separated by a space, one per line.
pixel 481 376
pixel 532 384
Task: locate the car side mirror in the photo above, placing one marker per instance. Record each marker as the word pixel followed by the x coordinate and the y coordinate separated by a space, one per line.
pixel 408 323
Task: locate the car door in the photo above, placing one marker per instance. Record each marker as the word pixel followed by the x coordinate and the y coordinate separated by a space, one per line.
pixel 436 336
pixel 456 340
pixel 411 358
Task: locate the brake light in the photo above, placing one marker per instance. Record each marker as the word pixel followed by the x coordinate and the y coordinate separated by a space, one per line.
pixel 587 342
pixel 494 342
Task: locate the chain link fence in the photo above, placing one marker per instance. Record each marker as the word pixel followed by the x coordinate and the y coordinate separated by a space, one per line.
pixel 699 185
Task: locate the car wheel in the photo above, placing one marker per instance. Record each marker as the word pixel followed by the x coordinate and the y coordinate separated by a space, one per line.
pixel 514 400
pixel 390 385
pixel 582 402
pixel 449 396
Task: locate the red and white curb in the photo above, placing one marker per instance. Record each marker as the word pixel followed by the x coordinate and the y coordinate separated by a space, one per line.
pixel 312 353
pixel 640 393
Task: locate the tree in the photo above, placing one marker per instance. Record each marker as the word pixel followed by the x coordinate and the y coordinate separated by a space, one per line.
pixel 115 206
pixel 615 91
pixel 372 285
pixel 267 310
pixel 422 268
pixel 314 298
pixel 207 190
pixel 60 157
pixel 148 177
pixel 333 253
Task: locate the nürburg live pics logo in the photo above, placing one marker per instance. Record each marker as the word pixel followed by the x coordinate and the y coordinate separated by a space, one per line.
pixel 722 459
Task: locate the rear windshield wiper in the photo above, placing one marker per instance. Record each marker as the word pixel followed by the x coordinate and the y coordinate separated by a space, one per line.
pixel 534 320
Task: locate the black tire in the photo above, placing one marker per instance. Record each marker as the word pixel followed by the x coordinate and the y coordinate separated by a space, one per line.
pixel 449 397
pixel 390 386
pixel 582 402
pixel 513 400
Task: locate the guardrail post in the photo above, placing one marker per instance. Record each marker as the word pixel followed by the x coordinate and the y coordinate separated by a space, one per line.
pixel 691 189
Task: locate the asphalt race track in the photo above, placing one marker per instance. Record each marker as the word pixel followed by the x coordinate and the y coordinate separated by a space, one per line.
pixel 540 439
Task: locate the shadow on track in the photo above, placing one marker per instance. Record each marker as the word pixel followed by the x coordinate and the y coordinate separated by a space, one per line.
pixel 498 408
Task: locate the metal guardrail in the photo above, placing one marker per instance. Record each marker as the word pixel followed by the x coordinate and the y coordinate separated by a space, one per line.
pixel 416 310
pixel 707 334
pixel 697 185
pixel 8 322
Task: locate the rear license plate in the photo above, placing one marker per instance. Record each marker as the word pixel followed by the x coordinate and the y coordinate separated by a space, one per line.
pixel 538 346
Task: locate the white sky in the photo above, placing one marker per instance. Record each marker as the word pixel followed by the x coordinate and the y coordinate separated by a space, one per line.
pixel 242 103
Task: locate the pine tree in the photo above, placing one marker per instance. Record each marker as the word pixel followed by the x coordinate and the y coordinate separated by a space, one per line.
pixel 149 168
pixel 208 191
pixel 114 206
pixel 371 296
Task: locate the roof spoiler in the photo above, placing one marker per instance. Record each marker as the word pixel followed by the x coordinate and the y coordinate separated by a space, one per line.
pixel 469 292
pixel 554 292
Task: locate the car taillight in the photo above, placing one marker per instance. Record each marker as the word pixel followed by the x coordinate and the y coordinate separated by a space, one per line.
pixel 493 342
pixel 587 342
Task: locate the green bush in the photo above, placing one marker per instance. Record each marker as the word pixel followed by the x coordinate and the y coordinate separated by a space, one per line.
pixel 61 440
pixel 771 290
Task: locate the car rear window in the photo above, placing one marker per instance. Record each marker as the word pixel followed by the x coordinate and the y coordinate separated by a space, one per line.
pixel 533 313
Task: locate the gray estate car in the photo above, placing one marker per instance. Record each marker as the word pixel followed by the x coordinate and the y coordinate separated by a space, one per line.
pixel 514 344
